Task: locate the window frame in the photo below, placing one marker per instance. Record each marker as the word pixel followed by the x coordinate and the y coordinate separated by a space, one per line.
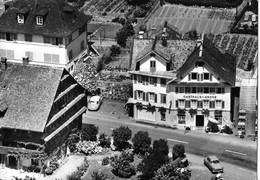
pixel 20 18
pixel 163 98
pixel 163 82
pixel 140 95
pixel 205 103
pixel 39 20
pixel 28 37
pixel 181 103
pixel 194 74
pixel 205 76
pixel 193 103
pixel 151 94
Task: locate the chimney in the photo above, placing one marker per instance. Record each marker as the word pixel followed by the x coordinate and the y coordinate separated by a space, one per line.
pixel 200 45
pixel 164 35
pixel 3 63
pixel 26 60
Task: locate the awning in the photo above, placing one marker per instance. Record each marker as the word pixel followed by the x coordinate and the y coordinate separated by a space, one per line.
pixel 213 120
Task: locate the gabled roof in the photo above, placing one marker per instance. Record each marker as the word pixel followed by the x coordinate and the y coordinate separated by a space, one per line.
pixel 59 21
pixel 171 31
pixel 28 92
pixel 216 60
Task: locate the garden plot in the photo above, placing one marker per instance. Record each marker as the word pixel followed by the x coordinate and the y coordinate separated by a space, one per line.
pixel 171 13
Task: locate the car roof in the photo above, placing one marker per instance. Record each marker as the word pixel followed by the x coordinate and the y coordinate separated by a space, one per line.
pixel 213 158
pixel 95 98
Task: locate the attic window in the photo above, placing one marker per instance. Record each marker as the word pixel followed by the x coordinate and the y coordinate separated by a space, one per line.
pixel 152 54
pixel 20 18
pixel 39 20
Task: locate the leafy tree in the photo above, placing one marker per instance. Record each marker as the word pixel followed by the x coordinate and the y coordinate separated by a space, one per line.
pixel 170 171
pixel 121 135
pixel 72 140
pixel 141 142
pixel 122 167
pixel 89 132
pixel 121 37
pixel 161 147
pixel 150 164
pixel 98 176
pixel 104 140
pixel 178 151
pixel 115 50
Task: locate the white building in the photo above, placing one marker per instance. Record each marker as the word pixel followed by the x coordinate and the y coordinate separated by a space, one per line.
pixel 180 83
pixel 43 32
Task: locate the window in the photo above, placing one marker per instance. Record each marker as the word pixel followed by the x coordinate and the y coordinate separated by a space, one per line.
pixel 181 103
pixel 176 89
pixel 81 29
pixel 182 89
pixel 35 162
pixel 69 39
pixel 139 78
pixel 70 54
pixel 206 76
pixel 200 90
pixel 28 37
pixel 153 80
pixel 212 90
pixel 194 103
pixel 199 104
pixel 152 65
pixel 163 98
pixel 218 104
pixel 187 104
pixel 194 90
pixel 151 97
pixel 51 58
pixel 20 18
pixel 181 119
pixel 187 89
pixel 29 54
pixel 220 90
pixel 206 90
pixel 206 103
pixel 11 36
pixel 163 82
pixel 140 95
pixel 47 39
pixel 194 76
pixel 39 20
pixel 212 104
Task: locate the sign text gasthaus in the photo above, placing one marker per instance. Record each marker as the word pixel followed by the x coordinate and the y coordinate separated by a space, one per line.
pixel 199 97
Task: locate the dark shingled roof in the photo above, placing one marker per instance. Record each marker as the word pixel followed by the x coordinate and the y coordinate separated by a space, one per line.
pixel 28 92
pixel 216 60
pixel 58 21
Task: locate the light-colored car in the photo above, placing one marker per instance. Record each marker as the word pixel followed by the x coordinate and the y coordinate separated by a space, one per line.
pixel 213 164
pixel 94 103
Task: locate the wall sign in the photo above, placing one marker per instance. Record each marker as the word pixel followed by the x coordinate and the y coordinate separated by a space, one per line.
pixel 199 97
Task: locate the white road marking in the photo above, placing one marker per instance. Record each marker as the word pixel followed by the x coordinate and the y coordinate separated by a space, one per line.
pixel 236 152
pixel 184 142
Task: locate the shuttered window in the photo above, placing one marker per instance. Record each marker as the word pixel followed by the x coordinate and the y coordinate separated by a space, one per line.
pixel 212 104
pixel 29 54
pixel 187 104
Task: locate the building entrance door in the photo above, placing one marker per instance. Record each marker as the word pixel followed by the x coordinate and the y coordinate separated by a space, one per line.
pixel 12 161
pixel 199 120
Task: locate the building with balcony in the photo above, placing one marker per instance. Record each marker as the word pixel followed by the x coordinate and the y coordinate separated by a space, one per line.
pixel 180 83
pixel 39 106
pixel 43 32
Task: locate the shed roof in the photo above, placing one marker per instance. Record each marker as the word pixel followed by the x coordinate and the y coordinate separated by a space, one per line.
pixel 57 23
pixel 29 92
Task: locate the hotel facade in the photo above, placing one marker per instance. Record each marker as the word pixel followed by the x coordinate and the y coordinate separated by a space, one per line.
pixel 187 95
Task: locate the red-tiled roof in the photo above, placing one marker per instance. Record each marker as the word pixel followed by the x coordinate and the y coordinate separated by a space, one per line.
pixel 57 22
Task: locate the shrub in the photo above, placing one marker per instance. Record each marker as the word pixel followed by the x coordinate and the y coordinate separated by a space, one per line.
pixel 98 176
pixel 80 171
pixel 178 151
pixel 89 132
pixel 100 65
pixel 122 167
pixel 48 171
pixel 129 156
pixel 115 50
pixel 141 142
pixel 72 140
pixel 121 135
pixel 104 141
pixel 122 21
pixel 89 147
pixel 161 147
pixel 105 161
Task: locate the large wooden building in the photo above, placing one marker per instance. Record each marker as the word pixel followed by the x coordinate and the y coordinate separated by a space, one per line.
pixel 39 105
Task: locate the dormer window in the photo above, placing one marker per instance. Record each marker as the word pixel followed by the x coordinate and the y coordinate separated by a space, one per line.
pixel 20 18
pixel 39 20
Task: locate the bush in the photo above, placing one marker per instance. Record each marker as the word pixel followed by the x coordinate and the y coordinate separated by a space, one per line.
pixel 48 171
pixel 72 140
pixel 122 167
pixel 100 65
pixel 89 147
pixel 89 132
pixel 121 135
pixel 178 151
pixel 122 21
pixel 105 161
pixel 129 156
pixel 141 142
pixel 115 50
pixel 104 141
pixel 161 147
pixel 98 176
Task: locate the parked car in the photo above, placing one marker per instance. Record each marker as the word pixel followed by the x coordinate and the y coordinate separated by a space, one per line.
pixel 213 164
pixel 94 103
pixel 217 177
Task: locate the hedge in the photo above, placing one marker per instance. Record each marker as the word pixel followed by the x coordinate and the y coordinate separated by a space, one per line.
pixel 208 3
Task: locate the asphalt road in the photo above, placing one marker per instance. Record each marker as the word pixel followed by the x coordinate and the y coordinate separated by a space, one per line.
pixel 239 160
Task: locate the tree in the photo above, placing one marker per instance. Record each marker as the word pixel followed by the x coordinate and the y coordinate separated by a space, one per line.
pixel 98 176
pixel 161 147
pixel 104 140
pixel 89 132
pixel 72 140
pixel 178 151
pixel 121 37
pixel 141 142
pixel 170 171
pixel 150 164
pixel 121 135
pixel 115 50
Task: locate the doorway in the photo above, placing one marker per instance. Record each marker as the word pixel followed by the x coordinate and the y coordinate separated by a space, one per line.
pixel 199 120
pixel 12 162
